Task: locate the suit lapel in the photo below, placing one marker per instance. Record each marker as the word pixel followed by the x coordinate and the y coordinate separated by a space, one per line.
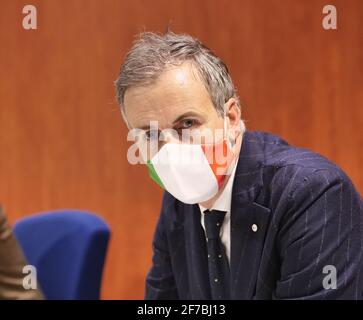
pixel 197 254
pixel 248 227
pixel 249 220
pixel 246 248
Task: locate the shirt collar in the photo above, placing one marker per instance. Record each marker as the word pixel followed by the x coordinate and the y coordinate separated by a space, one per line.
pixel 223 202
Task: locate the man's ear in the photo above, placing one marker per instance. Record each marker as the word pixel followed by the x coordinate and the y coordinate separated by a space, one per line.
pixel 233 114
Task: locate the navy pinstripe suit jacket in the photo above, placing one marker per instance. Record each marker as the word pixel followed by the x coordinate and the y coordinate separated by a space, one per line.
pixel 308 213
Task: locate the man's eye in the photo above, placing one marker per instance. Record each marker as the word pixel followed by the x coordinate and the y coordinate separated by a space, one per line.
pixel 188 123
pixel 151 134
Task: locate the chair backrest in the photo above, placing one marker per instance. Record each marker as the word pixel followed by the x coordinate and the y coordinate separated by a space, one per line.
pixel 68 249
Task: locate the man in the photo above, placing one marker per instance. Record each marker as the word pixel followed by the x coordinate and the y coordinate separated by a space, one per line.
pixel 276 222
pixel 12 262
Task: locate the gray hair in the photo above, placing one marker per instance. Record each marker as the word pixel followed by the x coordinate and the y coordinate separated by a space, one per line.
pixel 152 53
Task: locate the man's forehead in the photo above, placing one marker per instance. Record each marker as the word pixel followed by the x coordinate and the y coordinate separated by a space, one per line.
pixel 175 83
pixel 166 100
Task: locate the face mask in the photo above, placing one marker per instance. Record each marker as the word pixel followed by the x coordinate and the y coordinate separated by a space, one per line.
pixel 193 173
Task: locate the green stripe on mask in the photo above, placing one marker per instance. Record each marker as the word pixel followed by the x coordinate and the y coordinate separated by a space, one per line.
pixel 153 174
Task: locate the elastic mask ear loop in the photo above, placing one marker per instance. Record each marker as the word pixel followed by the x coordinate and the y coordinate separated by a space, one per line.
pixel 224 127
pixel 226 136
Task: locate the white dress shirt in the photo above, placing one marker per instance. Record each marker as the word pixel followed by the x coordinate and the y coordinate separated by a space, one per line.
pixel 223 203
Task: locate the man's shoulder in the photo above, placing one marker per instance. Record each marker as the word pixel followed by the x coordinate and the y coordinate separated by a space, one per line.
pixel 288 167
pixel 279 154
pixel 294 179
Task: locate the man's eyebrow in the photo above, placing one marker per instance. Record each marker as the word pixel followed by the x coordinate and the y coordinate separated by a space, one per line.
pixel 179 118
pixel 185 115
pixel 147 127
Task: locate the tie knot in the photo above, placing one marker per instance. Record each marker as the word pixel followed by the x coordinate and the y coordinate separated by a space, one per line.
pixel 213 220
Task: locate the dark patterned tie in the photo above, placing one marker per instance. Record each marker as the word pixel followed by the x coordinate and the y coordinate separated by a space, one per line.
pixel 219 276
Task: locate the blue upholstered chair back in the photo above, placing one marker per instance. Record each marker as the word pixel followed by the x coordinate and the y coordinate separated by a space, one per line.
pixel 68 249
